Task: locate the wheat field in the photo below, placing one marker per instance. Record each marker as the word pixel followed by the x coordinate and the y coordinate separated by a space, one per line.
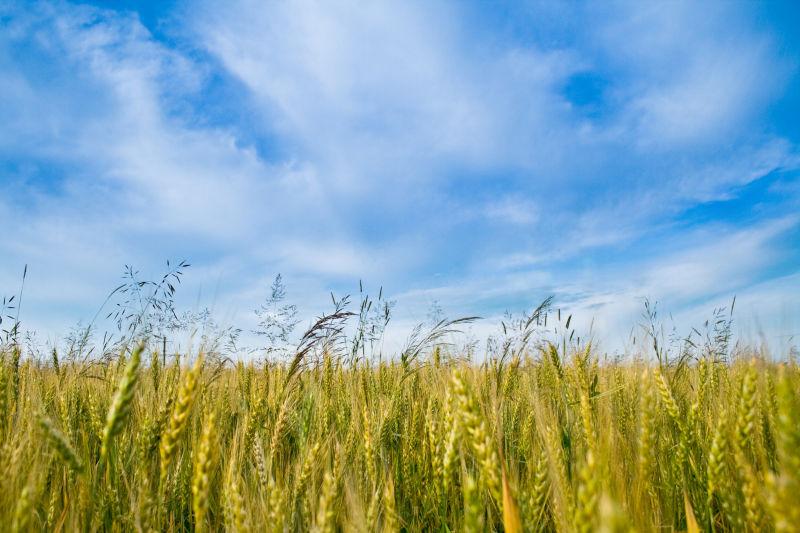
pixel 552 439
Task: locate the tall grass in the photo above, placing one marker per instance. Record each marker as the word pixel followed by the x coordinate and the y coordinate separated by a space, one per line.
pixel 553 439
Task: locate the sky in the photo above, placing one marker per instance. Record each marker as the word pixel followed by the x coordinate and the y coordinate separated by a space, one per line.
pixel 480 155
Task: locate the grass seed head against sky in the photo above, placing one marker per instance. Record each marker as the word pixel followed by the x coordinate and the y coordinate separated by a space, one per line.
pixel 476 154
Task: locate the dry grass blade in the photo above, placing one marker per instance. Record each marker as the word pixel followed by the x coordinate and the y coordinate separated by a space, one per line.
pixel 512 522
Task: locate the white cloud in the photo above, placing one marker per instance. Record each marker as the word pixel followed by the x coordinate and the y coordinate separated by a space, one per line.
pixel 687 282
pixel 388 91
pixel 698 73
pixel 401 135
pixel 513 210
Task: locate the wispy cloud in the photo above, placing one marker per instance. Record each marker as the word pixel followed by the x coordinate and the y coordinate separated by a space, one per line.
pixel 445 150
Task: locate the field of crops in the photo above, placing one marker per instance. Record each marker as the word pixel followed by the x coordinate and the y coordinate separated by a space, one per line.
pixel 545 441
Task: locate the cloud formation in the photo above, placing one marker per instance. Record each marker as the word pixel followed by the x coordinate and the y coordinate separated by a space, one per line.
pixel 451 152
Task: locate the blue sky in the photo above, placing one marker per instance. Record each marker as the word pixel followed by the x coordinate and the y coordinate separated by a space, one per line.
pixel 472 153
